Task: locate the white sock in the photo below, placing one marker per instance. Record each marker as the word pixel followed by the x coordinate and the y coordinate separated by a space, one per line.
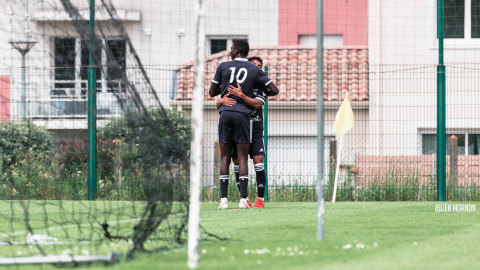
pixel 224 200
pixel 248 199
pixel 260 198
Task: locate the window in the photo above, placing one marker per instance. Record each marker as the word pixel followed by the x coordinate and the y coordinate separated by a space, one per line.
pixel 73 54
pixel 116 65
pixel 217 44
pixel 461 19
pixel 116 61
pixel 454 19
pixel 468 141
pixel 475 18
pixel 328 40
pixel 85 58
pixel 64 63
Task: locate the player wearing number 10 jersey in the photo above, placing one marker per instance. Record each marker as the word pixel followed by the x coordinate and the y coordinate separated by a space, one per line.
pixel 235 125
pixel 257 148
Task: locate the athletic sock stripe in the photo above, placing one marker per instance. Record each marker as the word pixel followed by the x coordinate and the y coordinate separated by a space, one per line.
pixel 236 168
pixel 224 176
pixel 259 167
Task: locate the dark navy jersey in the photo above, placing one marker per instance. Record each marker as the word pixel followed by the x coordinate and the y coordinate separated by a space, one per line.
pixel 244 73
pixel 260 92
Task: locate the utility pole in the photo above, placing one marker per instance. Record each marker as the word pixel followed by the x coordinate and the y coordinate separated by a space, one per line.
pixel 320 117
pixel 441 105
pixel 92 111
pixel 265 140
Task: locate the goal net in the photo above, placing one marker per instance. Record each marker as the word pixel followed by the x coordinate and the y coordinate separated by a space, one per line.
pixel 139 174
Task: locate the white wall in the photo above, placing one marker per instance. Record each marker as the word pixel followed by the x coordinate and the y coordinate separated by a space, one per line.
pixel 161 51
pixel 403 54
pixel 258 20
pixel 405 32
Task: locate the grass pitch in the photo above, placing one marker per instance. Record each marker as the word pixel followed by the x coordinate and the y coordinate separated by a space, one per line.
pixel 382 235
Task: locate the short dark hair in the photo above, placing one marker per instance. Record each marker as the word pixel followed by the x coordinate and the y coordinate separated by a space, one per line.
pixel 256 58
pixel 242 46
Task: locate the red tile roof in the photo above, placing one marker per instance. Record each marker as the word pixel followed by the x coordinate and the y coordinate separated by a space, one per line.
pixel 293 69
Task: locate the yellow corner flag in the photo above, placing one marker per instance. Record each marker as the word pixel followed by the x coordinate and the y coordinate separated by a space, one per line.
pixel 344 119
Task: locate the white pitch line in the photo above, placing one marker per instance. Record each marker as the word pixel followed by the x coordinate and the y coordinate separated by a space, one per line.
pixel 61 227
pixel 72 226
pixel 43 243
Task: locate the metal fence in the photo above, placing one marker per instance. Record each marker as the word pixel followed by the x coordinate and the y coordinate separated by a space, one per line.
pixel 389 154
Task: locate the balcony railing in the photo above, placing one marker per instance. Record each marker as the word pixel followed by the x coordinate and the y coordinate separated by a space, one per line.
pixel 111 104
pixel 78 88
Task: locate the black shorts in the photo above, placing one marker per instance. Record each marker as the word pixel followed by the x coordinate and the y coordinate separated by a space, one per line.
pixel 234 127
pixel 257 148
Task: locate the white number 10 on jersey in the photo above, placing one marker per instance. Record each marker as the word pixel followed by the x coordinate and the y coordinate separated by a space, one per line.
pixel 242 70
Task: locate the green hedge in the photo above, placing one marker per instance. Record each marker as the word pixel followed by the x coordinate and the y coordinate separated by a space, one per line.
pixel 23 137
pixel 136 129
pixel 130 149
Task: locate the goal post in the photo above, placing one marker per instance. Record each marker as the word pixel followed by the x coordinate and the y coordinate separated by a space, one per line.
pixel 197 146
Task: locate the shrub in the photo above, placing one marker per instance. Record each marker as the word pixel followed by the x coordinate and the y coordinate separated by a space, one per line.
pixel 173 132
pixel 74 157
pixel 21 137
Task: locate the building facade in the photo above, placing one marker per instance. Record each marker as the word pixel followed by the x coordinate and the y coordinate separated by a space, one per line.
pixel 163 35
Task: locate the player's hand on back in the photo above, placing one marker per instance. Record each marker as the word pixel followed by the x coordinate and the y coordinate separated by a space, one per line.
pixel 226 101
pixel 235 91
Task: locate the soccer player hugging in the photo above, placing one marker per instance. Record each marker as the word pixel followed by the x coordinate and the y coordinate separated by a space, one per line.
pixel 243 87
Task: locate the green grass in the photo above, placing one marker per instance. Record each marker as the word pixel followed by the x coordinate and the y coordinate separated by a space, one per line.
pixel 444 240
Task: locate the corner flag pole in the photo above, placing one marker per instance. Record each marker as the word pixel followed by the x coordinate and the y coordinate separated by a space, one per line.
pixel 320 117
pixel 339 157
pixel 196 147
pixel 344 121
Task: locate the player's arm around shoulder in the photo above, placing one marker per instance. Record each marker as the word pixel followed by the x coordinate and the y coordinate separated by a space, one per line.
pixel 272 89
pixel 216 82
pixel 262 78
